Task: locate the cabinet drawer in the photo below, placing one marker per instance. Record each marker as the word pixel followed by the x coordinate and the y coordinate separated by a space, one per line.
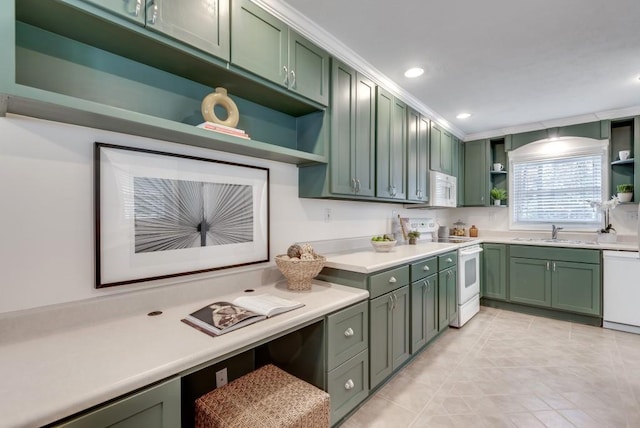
pixel 423 268
pixel 347 334
pixel 348 385
pixel 447 260
pixel 384 282
pixel 578 255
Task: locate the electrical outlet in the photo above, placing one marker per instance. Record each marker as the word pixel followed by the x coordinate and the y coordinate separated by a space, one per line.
pixel 221 377
pixel 327 215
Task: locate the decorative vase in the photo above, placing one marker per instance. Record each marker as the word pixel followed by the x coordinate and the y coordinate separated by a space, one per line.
pixel 412 241
pixel 625 197
pixel 497 202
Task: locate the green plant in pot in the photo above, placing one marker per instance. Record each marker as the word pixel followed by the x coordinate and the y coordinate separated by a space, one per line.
pixel 413 236
pixel 625 192
pixel 498 195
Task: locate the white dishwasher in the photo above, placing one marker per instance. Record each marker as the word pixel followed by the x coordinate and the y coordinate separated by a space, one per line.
pixel 621 291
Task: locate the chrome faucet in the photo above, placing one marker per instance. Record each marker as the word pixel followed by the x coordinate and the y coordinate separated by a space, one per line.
pixel 554 231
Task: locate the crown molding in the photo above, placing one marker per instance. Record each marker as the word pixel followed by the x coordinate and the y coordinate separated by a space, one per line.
pixel 321 37
pixel 554 123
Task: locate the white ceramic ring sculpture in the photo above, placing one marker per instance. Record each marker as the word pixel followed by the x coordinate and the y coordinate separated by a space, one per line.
pixel 220 97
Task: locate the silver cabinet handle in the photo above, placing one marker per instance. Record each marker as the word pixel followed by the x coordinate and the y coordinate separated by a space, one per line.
pixel 349 385
pixel 425 268
pixel 348 332
pixel 138 8
pixel 353 185
pixel 293 79
pixel 554 266
pixel 154 14
pixel 547 265
pixel 395 301
pixel 392 280
pixel 390 302
pixel 449 260
pixel 286 75
pixel 357 185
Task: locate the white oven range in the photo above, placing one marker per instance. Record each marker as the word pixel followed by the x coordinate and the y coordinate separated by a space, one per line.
pixel 468 292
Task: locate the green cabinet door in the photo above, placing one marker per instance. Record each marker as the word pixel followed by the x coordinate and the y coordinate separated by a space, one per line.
pixel 130 9
pixel 530 281
pixel 443 315
pixel 203 25
pixel 476 174
pixel 494 277
pixel 452 294
pixel 308 69
pixel 431 307
pixel 461 172
pixel 390 146
pixel 576 287
pixel 352 153
pixel 259 42
pixel 401 326
pixel 441 149
pixel 419 315
pixel 155 407
pixel 380 339
pixel 417 156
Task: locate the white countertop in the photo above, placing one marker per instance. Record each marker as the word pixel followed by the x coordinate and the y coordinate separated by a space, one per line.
pixel 367 260
pixel 47 378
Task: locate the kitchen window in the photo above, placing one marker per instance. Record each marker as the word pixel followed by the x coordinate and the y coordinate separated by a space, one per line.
pixel 552 182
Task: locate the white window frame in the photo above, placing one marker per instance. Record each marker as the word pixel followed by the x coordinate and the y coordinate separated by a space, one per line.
pixel 564 147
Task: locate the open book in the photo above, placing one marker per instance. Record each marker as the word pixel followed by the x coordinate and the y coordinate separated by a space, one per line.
pixel 223 317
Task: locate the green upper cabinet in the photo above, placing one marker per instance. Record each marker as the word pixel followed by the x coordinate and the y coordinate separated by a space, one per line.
pixel 130 9
pixel 417 156
pixel 204 25
pixel 476 174
pixel 391 143
pixel 266 46
pixel 441 150
pixel 353 107
pixel 494 272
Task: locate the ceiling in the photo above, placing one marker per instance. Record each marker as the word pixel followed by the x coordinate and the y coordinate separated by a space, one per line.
pixel 511 64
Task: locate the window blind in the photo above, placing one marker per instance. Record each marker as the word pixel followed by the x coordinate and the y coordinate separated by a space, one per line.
pixel 557 190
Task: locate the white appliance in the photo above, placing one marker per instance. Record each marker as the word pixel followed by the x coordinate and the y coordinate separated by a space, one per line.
pixel 468 283
pixel 443 190
pixel 621 290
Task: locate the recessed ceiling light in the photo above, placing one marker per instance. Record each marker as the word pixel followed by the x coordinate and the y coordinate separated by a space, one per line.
pixel 414 72
pixel 464 116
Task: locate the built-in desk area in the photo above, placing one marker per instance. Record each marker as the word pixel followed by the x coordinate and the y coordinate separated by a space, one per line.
pixel 54 376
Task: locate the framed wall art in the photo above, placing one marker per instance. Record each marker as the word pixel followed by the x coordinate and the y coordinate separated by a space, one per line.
pixel 160 215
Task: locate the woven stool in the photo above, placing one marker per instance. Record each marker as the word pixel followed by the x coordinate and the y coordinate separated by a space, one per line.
pixel 267 397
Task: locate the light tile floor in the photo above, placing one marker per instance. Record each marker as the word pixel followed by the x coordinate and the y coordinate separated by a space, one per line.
pixel 505 369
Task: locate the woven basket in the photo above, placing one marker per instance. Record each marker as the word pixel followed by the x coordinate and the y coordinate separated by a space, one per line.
pixel 299 273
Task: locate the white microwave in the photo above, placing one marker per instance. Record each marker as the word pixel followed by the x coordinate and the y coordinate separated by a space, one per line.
pixel 443 190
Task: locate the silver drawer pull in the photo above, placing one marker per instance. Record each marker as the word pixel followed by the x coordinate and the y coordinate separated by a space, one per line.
pixel 449 260
pixel 426 268
pixel 348 332
pixel 392 280
pixel 349 385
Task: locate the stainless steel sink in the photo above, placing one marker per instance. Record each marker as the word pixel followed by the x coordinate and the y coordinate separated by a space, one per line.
pixel 556 241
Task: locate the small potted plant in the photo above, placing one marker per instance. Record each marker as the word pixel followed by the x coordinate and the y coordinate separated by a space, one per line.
pixel 498 195
pixel 625 192
pixel 413 236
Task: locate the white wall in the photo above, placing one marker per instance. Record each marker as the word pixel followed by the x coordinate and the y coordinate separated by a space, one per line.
pixel 46 220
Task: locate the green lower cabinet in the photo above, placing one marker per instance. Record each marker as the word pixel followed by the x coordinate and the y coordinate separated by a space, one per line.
pixel 558 278
pixel 155 407
pixel 447 297
pixel 530 281
pixel 576 287
pixel 388 333
pixel 424 311
pixel 494 272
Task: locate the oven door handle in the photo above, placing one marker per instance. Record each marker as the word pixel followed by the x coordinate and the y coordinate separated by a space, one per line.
pixel 471 251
